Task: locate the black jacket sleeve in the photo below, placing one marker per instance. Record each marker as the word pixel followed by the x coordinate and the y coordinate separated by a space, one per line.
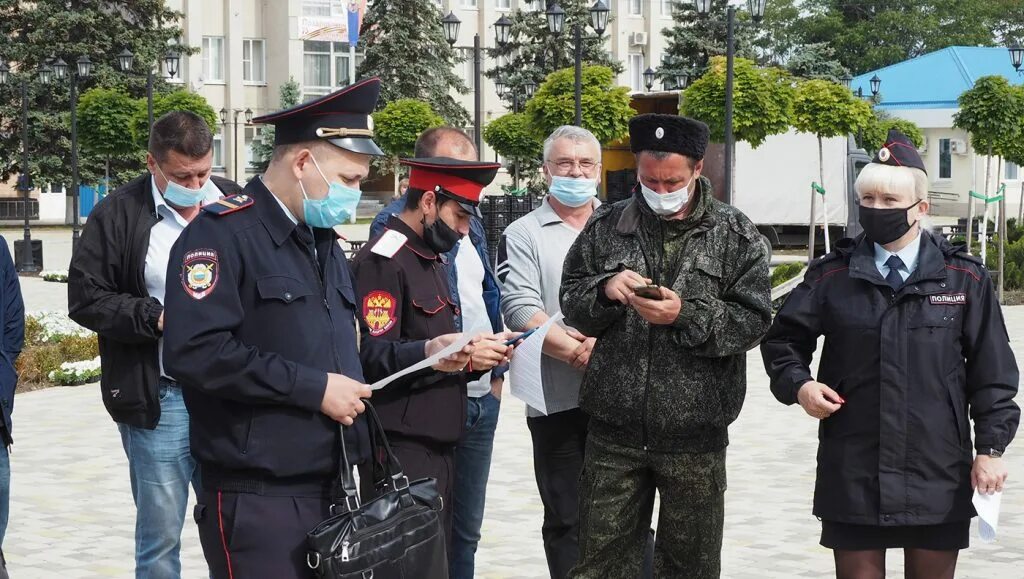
pixel 96 298
pixel 200 347
pixel 791 341
pixel 992 373
pixel 14 305
pixel 383 352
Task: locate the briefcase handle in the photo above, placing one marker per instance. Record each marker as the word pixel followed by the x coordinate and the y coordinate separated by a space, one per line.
pixel 394 467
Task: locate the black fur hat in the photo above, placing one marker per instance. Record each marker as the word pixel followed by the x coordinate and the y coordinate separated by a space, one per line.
pixel 670 133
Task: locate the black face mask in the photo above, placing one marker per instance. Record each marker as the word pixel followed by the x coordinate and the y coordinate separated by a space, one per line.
pixel 885 225
pixel 439 237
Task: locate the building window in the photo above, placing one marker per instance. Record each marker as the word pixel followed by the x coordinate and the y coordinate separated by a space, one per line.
pixel 635 69
pixel 213 58
pixel 341 58
pixel 324 8
pixel 319 76
pixel 636 7
pixel 666 7
pixel 503 4
pixel 254 61
pixel 945 159
pixel 468 3
pixel 1012 171
pixel 533 5
pixel 218 151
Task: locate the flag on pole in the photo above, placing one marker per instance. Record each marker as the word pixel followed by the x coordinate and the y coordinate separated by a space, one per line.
pixel 356 9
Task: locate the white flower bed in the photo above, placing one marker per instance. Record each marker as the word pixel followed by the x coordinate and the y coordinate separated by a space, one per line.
pixel 60 276
pixel 71 373
pixel 57 325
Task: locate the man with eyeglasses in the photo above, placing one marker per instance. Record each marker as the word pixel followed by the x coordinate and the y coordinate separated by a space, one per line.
pixel 530 278
pixel 674 285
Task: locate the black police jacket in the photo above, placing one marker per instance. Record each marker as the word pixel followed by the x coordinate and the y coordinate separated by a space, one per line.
pixel 107 294
pixel 252 329
pixel 405 296
pixel 913 365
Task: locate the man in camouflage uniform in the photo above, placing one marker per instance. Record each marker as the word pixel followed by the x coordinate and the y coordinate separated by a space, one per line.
pixel 667 376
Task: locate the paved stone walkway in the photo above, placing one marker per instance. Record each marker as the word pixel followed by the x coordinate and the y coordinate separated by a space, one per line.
pixel 72 514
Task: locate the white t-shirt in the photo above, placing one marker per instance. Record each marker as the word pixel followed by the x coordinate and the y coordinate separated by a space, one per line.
pixel 471 298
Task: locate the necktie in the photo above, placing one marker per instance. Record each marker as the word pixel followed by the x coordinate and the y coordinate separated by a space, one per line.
pixel 894 263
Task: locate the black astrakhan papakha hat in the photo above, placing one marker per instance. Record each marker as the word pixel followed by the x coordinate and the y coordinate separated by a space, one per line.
pixel 461 181
pixel 341 118
pixel 669 133
pixel 899 151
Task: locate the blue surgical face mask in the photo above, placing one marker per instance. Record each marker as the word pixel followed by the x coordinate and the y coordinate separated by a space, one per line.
pixel 336 208
pixel 181 196
pixel 573 192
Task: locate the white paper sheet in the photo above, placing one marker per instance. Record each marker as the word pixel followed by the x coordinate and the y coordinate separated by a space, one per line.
pixel 451 349
pixel 988 514
pixel 524 371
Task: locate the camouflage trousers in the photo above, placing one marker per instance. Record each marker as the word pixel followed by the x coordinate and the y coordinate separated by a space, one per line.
pixel 617 500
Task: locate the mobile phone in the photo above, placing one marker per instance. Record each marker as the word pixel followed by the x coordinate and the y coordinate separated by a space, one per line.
pixel 651 292
pixel 521 337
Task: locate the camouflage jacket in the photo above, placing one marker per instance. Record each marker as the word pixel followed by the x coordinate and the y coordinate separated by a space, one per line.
pixel 675 387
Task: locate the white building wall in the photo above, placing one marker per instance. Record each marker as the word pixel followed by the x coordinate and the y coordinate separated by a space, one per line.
pixel 967 170
pixel 277 22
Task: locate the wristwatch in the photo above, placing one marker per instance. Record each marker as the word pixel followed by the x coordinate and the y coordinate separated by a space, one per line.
pixel 991 452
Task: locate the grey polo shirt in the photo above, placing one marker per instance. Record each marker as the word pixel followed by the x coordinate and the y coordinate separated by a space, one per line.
pixel 530 280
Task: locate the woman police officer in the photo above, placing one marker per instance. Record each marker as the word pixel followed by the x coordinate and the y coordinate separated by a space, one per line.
pixel 914 340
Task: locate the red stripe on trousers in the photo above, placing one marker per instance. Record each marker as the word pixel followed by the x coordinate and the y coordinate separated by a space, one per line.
pixel 223 540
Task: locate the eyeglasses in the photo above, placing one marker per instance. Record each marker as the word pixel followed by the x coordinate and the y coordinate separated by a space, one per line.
pixel 567 165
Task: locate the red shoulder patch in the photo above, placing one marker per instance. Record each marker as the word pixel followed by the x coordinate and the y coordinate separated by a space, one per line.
pixel 200 270
pixel 380 311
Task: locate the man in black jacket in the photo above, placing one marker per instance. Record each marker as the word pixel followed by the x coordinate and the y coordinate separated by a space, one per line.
pixel 116 286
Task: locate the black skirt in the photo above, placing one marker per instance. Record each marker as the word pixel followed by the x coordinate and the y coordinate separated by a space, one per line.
pixel 943 537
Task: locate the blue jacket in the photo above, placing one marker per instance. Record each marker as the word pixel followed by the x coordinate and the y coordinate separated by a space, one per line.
pixel 12 320
pixel 492 295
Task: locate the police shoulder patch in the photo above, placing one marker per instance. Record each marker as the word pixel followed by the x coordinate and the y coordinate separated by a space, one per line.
pixel 380 312
pixel 229 204
pixel 200 270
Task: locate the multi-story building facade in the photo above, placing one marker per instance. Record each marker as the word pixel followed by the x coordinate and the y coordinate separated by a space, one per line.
pixel 249 48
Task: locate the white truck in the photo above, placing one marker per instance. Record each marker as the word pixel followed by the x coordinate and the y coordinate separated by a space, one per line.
pixel 773 186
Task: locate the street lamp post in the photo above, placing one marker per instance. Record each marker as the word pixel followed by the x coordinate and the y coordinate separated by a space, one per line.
pixel 756 8
pixel 451 24
pixel 682 80
pixel 649 75
pixel 125 60
pixel 1017 57
pixel 27 264
pixel 82 69
pixel 505 90
pixel 556 24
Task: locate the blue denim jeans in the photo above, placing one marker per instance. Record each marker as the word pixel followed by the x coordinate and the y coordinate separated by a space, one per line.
pixel 472 467
pixel 161 468
pixel 5 490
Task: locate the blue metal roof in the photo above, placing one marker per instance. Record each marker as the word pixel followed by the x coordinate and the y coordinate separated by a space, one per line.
pixel 935 80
